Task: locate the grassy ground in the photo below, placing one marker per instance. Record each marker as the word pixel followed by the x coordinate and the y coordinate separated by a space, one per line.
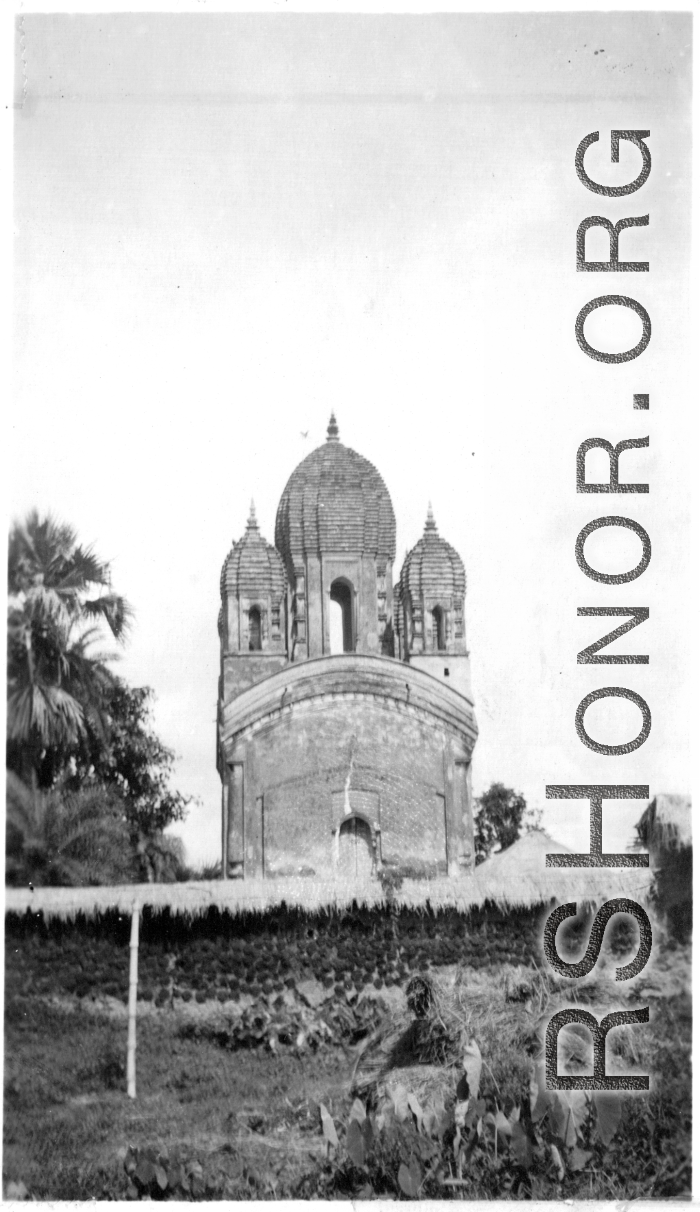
pixel 251 1117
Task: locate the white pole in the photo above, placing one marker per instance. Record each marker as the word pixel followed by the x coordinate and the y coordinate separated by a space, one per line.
pixel 133 989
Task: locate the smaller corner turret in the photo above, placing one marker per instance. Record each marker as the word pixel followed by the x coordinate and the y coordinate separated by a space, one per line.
pixel 252 619
pixel 429 609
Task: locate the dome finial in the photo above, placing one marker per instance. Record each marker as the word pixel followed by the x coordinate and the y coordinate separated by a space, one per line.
pixel 252 523
pixel 430 520
pixel 332 432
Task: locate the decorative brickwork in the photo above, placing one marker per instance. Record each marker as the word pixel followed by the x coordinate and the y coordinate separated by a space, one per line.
pixel 430 600
pixel 253 579
pixel 252 618
pixel 347 761
pixel 335 501
pixel 253 566
pixel 429 609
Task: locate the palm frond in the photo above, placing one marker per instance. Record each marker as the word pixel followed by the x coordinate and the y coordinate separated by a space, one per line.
pixel 45 603
pixel 83 569
pixel 63 837
pixel 35 546
pixel 45 557
pixel 115 611
pixel 47 712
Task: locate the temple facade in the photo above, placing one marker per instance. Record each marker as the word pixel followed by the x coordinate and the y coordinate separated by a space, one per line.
pixel 345 722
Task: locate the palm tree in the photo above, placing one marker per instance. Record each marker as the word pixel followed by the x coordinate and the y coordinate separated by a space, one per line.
pixel 44 555
pixel 58 591
pixel 62 837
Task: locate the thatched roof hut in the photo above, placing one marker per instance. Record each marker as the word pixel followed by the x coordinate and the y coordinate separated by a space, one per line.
pixel 665 830
pixel 666 824
pixel 527 855
pixel 519 876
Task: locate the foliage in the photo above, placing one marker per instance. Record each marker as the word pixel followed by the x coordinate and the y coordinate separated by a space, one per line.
pixel 251 1116
pixel 500 817
pixel 289 1024
pixel 65 837
pixel 58 595
pixel 45 555
pixel 130 756
pixel 168 1174
pixel 472 1147
pixel 75 728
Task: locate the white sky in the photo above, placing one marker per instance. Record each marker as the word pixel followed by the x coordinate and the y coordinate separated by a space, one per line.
pixel 227 225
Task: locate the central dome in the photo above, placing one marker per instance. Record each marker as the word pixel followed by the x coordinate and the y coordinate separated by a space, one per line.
pixel 335 501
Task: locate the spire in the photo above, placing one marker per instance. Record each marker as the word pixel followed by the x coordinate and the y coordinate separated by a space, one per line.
pixel 430 520
pixel 332 431
pixel 252 523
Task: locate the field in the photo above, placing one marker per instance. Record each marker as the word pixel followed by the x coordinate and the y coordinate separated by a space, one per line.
pixel 233 1088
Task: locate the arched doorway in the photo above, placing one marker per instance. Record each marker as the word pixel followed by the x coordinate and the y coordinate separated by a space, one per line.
pixel 355 849
pixel 254 630
pixel 340 623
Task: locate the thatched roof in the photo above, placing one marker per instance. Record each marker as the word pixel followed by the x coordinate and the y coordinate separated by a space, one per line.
pixel 191 899
pixel 666 822
pixel 515 879
pixel 527 856
pixel 519 876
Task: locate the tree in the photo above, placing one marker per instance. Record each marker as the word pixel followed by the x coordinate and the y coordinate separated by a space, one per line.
pixel 58 595
pixel 499 819
pixel 129 756
pixel 65 837
pixel 76 731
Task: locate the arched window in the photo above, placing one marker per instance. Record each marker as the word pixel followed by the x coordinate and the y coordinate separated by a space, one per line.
pixel 254 630
pixel 341 629
pixel 438 629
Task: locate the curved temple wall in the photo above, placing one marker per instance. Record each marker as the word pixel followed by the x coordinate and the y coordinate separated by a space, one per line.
pixel 344 738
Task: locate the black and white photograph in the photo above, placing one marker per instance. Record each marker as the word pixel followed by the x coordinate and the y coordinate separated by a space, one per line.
pixel 350 713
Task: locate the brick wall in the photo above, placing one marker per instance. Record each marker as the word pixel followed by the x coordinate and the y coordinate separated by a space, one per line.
pixel 247 669
pixel 296 770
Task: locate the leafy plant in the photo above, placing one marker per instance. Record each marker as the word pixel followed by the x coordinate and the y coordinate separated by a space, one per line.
pixel 472 1145
pixel 173 1174
pixel 65 837
pixel 271 1027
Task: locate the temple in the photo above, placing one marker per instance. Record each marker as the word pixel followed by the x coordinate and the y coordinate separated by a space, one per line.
pixel 345 722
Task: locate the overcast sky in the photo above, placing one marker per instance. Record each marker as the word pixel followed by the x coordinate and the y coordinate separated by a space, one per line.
pixel 228 225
